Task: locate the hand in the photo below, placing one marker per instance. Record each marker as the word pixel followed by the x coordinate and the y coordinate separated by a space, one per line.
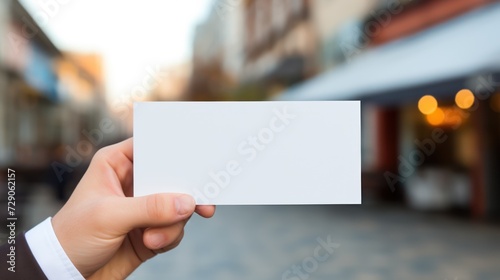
pixel 105 232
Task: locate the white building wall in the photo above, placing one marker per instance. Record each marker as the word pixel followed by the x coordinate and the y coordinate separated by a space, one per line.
pixel 233 28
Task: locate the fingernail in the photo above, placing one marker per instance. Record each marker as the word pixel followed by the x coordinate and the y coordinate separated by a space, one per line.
pixel 184 204
pixel 156 240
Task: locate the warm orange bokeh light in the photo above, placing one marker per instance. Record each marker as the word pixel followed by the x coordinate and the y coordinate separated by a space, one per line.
pixel 495 102
pixel 437 117
pixel 427 104
pixel 464 99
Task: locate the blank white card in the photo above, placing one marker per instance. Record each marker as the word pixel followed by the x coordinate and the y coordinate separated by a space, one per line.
pixel 249 153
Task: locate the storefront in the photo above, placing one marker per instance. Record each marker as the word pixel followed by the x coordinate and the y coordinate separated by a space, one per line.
pixel 430 120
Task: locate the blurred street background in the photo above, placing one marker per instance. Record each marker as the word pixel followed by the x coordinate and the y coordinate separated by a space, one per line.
pixel 426 71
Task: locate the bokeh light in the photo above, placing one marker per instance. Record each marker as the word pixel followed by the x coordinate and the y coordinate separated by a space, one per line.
pixel 427 104
pixel 464 99
pixel 437 117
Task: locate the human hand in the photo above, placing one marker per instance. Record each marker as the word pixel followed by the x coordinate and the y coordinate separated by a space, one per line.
pixel 105 232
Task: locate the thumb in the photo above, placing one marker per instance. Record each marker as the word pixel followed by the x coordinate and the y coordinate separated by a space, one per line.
pixel 154 210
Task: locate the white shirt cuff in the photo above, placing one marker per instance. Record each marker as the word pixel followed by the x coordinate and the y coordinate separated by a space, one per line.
pixel 49 253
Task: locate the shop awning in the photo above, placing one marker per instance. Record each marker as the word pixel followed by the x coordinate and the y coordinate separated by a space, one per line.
pixel 443 55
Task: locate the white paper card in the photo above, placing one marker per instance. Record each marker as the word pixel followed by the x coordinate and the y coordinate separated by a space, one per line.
pixel 236 153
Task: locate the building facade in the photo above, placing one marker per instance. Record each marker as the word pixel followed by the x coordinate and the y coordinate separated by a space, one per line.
pixel 47 97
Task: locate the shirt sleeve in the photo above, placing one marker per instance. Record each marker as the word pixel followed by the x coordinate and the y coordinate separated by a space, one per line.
pixel 49 253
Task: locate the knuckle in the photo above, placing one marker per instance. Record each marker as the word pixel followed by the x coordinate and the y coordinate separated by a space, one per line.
pixel 102 154
pixel 156 208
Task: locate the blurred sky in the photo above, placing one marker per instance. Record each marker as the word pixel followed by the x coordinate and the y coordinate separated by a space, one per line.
pixel 132 35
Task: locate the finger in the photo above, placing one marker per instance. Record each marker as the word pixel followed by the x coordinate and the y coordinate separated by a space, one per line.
pixel 172 245
pixel 158 238
pixel 206 211
pixel 115 163
pixel 155 210
pixel 126 147
pixel 135 238
pixel 122 163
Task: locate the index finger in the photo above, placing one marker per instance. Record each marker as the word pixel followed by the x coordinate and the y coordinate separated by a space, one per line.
pixel 206 211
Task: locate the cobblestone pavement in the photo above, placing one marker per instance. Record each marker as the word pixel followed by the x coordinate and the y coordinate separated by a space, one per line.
pixel 280 242
pixel 318 242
